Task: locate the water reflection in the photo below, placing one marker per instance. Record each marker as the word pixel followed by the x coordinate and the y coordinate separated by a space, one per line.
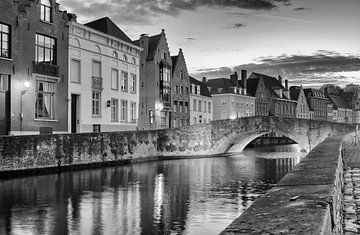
pixel 198 196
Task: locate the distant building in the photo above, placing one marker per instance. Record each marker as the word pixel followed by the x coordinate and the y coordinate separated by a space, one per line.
pixel 103 78
pixel 201 103
pixel 230 97
pixel 317 103
pixel 155 83
pixel 33 67
pixel 342 112
pixel 330 111
pixel 180 91
pixel 356 107
pixel 302 107
pixel 272 98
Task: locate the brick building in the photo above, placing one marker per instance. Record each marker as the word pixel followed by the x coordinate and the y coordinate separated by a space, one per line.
pixel 155 83
pixel 302 107
pixel 317 103
pixel 180 91
pixel 230 97
pixel 201 103
pixel 33 67
pixel 103 78
pixel 272 98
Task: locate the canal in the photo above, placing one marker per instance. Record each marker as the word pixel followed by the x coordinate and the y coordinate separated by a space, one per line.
pixel 189 196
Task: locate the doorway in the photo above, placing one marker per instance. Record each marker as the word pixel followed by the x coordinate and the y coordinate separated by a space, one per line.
pixel 74 113
pixel 4 105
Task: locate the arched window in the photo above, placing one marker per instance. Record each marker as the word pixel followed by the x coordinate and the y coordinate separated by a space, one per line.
pixel 76 42
pixel 133 60
pixel 97 49
pixel 45 10
pixel 115 54
pixel 125 58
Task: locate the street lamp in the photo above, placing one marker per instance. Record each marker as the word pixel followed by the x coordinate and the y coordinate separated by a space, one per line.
pixel 26 86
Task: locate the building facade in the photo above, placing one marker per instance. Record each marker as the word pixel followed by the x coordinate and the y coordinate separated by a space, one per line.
pixel 356 107
pixel 33 67
pixel 317 103
pixel 302 107
pixel 230 97
pixel 201 103
pixel 272 98
pixel 180 91
pixel 342 112
pixel 103 78
pixel 155 83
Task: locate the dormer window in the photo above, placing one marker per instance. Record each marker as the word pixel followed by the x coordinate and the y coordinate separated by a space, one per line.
pixel 45 10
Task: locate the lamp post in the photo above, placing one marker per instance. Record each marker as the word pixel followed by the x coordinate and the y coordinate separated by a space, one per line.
pixel 26 86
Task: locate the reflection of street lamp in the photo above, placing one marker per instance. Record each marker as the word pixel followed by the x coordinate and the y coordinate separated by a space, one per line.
pixel 26 86
pixel 159 106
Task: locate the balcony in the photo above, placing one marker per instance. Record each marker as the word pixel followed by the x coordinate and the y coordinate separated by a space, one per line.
pixel 97 83
pixel 45 69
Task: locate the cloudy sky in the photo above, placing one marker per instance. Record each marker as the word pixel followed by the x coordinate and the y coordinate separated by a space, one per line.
pixel 309 42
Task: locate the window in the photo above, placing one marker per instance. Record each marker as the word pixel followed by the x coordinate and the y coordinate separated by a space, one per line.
pixel 194 105
pixel 96 101
pixel 124 58
pixel 151 116
pixel 124 110
pixel 45 10
pixel 124 81
pixel 132 111
pixel 199 106
pixel 175 106
pixel 115 54
pixel 114 79
pixel 181 75
pixel 209 107
pixel 181 107
pixel 114 110
pixel 96 69
pixel 96 128
pixel 195 89
pixel 44 105
pixel 4 41
pixel 204 106
pixel 75 71
pixel 133 60
pixel 45 49
pixel 163 55
pixel 165 85
pixel 4 80
pixel 133 83
pixel 176 89
pixel 187 90
pixel 186 107
pixel 163 118
pixel 181 90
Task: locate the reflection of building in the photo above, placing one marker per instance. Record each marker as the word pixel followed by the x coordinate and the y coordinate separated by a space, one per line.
pixel 230 97
pixel 272 98
pixel 155 83
pixel 302 107
pixel 33 67
pixel 341 110
pixel 201 103
pixel 180 91
pixel 104 78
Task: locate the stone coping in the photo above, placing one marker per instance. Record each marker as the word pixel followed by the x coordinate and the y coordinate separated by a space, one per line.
pixel 307 200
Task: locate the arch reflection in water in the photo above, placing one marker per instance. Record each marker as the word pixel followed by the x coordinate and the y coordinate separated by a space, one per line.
pixel 198 196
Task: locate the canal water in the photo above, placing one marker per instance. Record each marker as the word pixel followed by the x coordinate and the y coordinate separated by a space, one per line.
pixel 192 196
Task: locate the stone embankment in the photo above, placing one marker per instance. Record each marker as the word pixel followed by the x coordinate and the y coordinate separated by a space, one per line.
pixel 308 200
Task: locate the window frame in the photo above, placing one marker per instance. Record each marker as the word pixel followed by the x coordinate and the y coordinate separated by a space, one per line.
pixel 114 106
pixel 46 9
pixel 2 41
pixel 124 116
pixel 116 88
pixel 51 92
pixel 96 104
pixel 43 49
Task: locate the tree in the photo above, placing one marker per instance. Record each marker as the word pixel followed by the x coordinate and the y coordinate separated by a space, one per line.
pixel 331 89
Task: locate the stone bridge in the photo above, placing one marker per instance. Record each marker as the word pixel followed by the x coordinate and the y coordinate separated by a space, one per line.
pixel 19 153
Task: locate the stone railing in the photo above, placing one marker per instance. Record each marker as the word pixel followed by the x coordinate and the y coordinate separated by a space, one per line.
pixel 308 200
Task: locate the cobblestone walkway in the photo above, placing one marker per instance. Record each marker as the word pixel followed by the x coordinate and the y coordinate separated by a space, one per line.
pixel 352 191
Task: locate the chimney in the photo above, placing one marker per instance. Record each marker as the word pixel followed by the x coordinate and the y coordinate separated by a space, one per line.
pixel 243 80
pixel 286 84
pixel 234 79
pixel 204 79
pixel 280 79
pixel 144 43
pixel 162 31
pixel 287 91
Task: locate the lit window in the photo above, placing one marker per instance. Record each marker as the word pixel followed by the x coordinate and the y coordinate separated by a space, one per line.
pixel 45 49
pixel 96 99
pixel 151 116
pixel 44 105
pixel 4 41
pixel 124 110
pixel 45 10
pixel 114 110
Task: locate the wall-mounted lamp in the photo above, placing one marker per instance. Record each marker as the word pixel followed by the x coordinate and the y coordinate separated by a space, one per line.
pixel 108 103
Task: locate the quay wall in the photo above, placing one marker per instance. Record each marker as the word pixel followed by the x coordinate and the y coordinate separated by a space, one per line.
pixel 307 200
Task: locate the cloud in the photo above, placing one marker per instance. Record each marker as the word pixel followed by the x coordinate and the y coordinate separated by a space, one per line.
pixel 301 9
pixel 191 39
pixel 144 11
pixel 238 25
pixel 319 68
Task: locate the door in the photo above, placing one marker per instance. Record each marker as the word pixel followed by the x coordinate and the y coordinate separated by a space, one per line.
pixel 4 105
pixel 74 113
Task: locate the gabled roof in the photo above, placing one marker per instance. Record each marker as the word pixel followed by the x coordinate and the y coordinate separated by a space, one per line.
pixel 107 26
pixel 339 102
pixel 153 45
pixel 295 92
pixel 271 83
pixel 204 91
pixel 251 85
pixel 174 60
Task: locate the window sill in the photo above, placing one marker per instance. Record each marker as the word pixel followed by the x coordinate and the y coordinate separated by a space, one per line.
pixel 7 59
pixel 45 120
pixel 47 22
pixel 96 116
